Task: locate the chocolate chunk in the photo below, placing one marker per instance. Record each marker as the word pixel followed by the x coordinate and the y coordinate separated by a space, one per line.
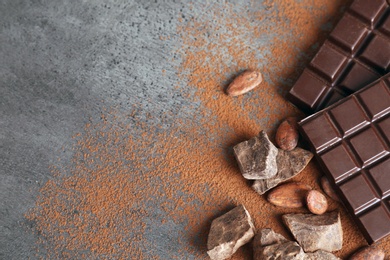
pixel 229 232
pixel 322 255
pixel 289 164
pixel 267 237
pixel 272 246
pixel 257 157
pixel 356 54
pixel 351 141
pixel 316 232
pixel 288 250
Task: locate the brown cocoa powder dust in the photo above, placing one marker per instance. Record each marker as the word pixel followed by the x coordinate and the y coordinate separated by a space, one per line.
pixel 126 178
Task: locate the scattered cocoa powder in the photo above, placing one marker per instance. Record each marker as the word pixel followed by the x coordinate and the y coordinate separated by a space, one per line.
pixel 105 204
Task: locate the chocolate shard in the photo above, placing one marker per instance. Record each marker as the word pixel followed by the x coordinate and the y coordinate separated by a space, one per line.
pixel 321 254
pixel 289 164
pixel 316 232
pixel 229 232
pixel 267 237
pixel 288 250
pixel 257 157
pixel 268 245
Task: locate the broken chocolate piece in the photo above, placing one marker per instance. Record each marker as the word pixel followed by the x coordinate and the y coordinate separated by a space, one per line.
pixel 316 232
pixel 289 164
pixel 267 237
pixel 257 157
pixel 321 254
pixel 272 246
pixel 229 232
pixel 288 250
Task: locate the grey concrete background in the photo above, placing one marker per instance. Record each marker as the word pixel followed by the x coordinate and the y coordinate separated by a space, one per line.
pixel 61 63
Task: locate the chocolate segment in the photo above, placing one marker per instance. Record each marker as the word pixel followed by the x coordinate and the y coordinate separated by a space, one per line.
pixel 351 140
pixel 356 53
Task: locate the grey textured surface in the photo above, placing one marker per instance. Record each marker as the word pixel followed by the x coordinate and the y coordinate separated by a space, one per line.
pixel 61 64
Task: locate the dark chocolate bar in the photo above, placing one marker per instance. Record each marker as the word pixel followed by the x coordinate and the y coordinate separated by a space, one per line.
pixel 351 140
pixel 356 53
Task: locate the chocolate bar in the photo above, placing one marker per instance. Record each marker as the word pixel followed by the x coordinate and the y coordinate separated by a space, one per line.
pixel 356 53
pixel 351 140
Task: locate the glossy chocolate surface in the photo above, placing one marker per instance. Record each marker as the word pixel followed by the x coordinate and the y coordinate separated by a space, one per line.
pixel 351 140
pixel 356 53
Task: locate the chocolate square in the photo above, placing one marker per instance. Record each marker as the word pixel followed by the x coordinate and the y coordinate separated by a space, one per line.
pixel 349 33
pixel 380 174
pixel 312 87
pixel 376 223
pixel 321 132
pixel 376 99
pixel 368 145
pixel 357 77
pixel 373 54
pixel 339 163
pixel 349 116
pixel 370 11
pixel 328 62
pixel 358 185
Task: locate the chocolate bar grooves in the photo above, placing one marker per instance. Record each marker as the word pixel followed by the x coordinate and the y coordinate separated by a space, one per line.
pixel 356 53
pixel 351 141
